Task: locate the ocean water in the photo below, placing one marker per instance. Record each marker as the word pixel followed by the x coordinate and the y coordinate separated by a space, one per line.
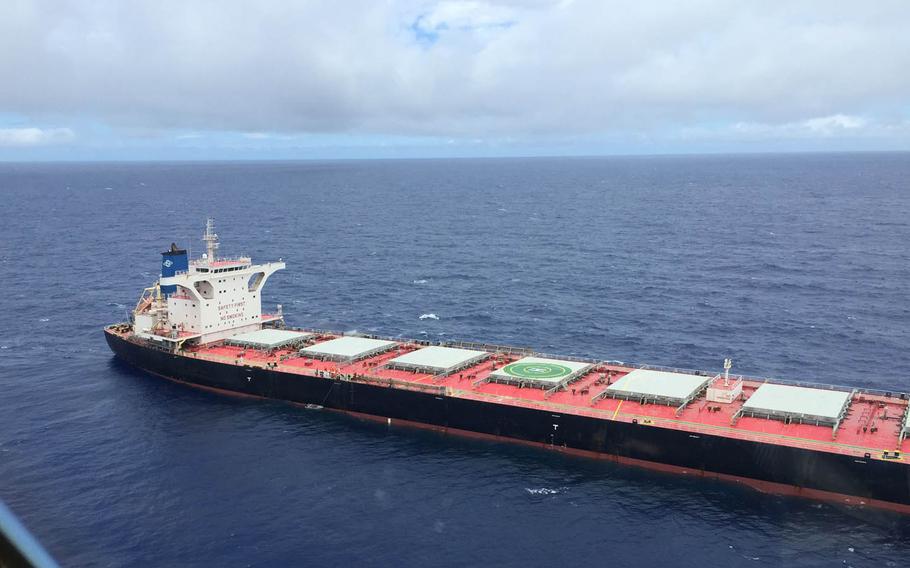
pixel 795 266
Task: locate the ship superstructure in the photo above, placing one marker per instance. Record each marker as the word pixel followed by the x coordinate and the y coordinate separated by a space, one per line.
pixel 203 300
pixel 202 324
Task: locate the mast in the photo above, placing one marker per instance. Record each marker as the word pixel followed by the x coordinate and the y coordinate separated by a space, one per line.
pixel 210 238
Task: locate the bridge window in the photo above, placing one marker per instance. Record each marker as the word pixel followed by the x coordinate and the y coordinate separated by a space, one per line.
pixel 255 281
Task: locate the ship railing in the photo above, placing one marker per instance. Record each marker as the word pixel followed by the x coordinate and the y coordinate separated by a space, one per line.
pixel 381 381
pixel 527 351
pixel 400 384
pixel 491 347
pixel 208 261
pixel 788 382
pixel 572 358
pixel 158 346
pixel 840 388
pixel 709 429
pixel 458 344
pixel 672 370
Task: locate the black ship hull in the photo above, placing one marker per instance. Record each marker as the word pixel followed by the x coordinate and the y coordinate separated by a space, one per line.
pixel 771 467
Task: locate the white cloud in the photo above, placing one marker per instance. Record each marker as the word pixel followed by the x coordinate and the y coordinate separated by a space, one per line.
pixel 823 125
pixel 832 127
pixel 466 16
pixel 464 70
pixel 828 125
pixel 35 136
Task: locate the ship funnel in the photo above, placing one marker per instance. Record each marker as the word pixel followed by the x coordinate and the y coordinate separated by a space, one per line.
pixel 172 261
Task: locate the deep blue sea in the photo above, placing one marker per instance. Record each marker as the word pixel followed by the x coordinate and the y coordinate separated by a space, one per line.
pixel 796 266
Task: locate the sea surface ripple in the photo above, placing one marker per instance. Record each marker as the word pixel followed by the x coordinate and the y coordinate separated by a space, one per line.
pixel 796 266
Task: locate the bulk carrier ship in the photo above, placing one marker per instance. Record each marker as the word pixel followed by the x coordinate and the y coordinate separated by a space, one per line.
pixel 202 323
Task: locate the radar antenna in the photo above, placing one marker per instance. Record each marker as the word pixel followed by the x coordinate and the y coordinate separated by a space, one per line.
pixel 211 239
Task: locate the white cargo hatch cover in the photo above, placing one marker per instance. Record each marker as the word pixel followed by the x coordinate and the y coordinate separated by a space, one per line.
pixel 349 347
pixel 648 383
pixel 797 401
pixel 269 338
pixel 438 358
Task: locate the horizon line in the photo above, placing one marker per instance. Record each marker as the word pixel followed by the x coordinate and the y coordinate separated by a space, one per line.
pixel 441 157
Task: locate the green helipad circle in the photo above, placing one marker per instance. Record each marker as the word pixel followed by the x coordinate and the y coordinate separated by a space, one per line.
pixel 536 370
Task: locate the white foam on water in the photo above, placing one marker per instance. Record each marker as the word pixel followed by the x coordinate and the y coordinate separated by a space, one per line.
pixel 421 281
pixel 429 317
pixel 544 490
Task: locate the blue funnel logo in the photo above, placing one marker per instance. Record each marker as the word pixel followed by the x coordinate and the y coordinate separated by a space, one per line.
pixel 173 261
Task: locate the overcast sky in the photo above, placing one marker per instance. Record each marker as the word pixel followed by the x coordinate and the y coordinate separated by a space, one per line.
pixel 163 79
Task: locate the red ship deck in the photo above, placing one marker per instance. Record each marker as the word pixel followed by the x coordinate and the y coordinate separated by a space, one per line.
pixel 871 426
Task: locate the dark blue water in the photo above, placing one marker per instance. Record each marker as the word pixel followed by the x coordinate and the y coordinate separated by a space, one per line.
pixel 794 266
